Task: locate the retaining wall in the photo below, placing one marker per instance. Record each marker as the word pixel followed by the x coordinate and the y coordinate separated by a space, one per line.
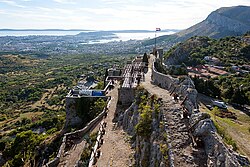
pixel 126 95
pixel 80 133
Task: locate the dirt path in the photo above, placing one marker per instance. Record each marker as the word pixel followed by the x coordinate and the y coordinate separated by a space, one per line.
pixel 47 95
pixel 114 143
pixel 184 153
pixel 115 151
pixel 73 155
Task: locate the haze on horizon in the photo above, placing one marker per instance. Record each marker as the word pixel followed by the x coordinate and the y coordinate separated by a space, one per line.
pixel 108 14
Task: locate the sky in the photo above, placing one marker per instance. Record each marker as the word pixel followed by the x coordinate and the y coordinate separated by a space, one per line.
pixel 108 14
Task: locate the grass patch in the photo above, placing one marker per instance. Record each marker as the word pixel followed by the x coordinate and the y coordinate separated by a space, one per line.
pixel 225 126
pixel 30 114
pixel 225 136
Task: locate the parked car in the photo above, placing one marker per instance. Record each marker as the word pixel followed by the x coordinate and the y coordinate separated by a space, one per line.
pixel 219 104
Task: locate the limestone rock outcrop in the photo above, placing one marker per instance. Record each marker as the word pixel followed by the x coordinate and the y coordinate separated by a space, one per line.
pixel 218 154
pixel 201 126
pixel 226 21
pixel 147 150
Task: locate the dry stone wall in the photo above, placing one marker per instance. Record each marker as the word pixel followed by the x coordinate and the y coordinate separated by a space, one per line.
pixel 184 87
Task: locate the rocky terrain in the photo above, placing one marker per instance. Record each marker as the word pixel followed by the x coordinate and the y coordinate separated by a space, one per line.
pixel 226 21
pixel 180 134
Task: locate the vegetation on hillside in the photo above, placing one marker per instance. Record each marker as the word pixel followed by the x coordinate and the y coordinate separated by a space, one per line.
pixel 230 51
pixel 232 89
pixel 148 109
pixel 32 109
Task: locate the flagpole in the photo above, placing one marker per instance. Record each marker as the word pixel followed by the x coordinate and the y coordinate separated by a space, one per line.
pixel 157 29
pixel 155 39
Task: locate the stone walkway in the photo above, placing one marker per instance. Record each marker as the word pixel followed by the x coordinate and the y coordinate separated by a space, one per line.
pixel 115 151
pixel 184 153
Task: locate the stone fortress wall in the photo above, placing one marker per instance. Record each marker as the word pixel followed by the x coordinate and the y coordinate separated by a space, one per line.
pixel 76 135
pixel 201 126
pixel 74 105
pixel 73 108
pixel 73 119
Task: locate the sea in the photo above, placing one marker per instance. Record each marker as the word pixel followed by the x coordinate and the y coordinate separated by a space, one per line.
pixel 121 36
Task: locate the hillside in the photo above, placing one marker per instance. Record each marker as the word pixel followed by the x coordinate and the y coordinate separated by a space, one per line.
pixel 226 21
pixel 229 50
pixel 230 54
pixel 220 67
pixel 32 101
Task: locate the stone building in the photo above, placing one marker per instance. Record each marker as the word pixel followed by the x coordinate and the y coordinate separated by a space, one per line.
pixel 132 75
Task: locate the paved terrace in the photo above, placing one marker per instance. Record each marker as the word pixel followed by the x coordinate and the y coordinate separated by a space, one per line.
pixel 133 73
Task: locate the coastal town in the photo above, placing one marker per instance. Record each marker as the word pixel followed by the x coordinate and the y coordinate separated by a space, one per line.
pixel 74 44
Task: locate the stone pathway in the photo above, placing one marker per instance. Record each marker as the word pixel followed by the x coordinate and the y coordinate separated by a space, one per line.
pixel 115 151
pixel 184 153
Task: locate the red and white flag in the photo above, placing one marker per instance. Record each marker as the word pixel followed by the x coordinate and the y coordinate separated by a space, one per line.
pixel 158 29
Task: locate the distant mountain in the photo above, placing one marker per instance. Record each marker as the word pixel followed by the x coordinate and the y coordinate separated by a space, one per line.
pixel 108 31
pixel 6 29
pixel 226 21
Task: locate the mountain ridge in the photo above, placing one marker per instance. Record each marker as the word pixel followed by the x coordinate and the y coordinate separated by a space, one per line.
pixel 225 21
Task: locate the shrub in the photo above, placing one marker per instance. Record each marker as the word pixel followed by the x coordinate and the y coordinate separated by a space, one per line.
pixel 164 150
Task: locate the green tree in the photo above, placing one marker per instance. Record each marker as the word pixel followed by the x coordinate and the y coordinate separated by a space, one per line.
pixel 97 107
pixel 23 148
pixel 143 128
pixel 246 51
pixel 228 93
pixel 238 97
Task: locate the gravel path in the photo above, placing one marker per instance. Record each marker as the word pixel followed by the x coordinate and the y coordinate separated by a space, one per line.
pixel 115 151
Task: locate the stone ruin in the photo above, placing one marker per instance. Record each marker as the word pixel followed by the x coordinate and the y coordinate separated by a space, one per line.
pixel 76 100
pixel 133 74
